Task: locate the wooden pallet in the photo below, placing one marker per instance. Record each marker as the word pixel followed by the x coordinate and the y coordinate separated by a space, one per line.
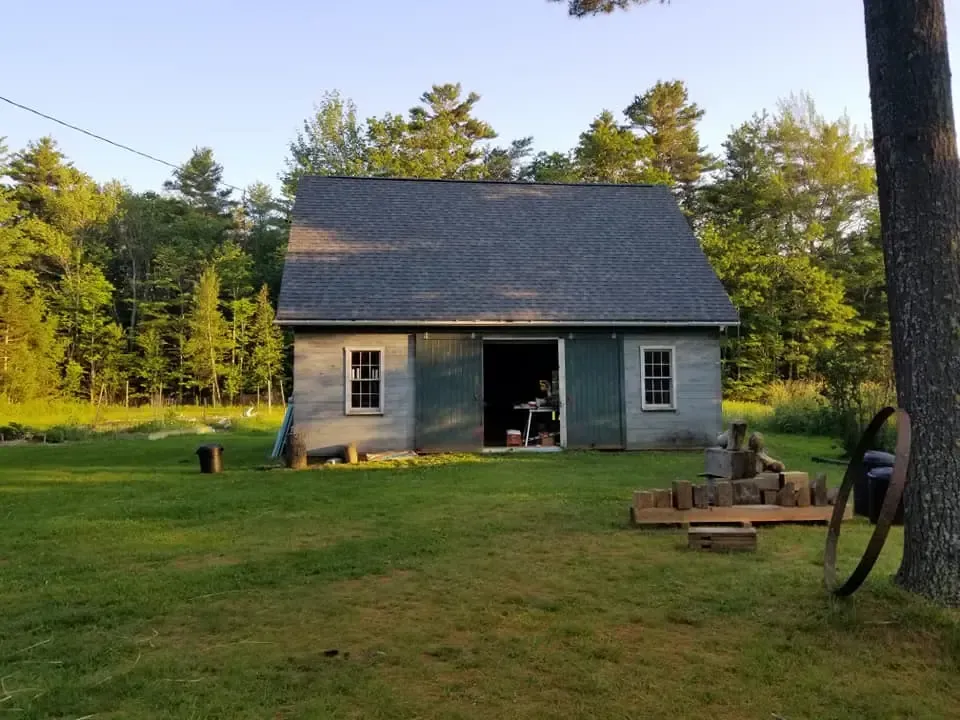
pixel 735 514
pixel 719 539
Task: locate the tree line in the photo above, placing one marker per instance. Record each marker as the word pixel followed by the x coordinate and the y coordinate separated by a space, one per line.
pixel 107 293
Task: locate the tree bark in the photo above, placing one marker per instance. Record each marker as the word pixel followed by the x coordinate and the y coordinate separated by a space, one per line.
pixel 918 179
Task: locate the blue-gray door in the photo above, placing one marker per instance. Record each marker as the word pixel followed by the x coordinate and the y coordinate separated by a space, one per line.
pixel 594 377
pixel 449 377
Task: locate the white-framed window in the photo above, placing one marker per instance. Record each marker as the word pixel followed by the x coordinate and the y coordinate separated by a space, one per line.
pixel 658 378
pixel 364 381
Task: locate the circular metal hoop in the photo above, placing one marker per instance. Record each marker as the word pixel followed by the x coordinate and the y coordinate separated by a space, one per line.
pixel 888 511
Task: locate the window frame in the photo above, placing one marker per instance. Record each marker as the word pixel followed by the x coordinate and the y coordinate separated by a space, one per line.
pixel 651 407
pixel 348 408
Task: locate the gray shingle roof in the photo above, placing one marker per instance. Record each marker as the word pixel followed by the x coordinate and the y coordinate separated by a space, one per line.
pixel 369 250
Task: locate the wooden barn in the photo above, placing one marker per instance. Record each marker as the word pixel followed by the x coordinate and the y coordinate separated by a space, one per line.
pixel 451 315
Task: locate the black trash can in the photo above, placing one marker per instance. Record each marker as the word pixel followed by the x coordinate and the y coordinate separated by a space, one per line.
pixel 872 459
pixel 878 480
pixel 211 458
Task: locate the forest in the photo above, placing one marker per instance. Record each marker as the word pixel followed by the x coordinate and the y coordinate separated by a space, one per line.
pixel 168 295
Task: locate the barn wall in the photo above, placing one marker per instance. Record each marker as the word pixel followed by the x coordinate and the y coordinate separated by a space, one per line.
pixel 698 415
pixel 319 389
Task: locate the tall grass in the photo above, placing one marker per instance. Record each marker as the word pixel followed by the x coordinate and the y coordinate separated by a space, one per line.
pixel 802 408
pixel 59 414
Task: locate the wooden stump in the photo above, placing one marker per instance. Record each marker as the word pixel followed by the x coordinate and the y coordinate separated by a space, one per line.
pixel 819 490
pixel 745 492
pixel 662 499
pixel 296 451
pixel 803 496
pixel 350 454
pixel 738 435
pixel 723 493
pixel 701 496
pixel 643 500
pixel 787 497
pixel 682 495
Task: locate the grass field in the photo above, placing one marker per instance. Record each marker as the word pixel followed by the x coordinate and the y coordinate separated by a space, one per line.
pixel 131 586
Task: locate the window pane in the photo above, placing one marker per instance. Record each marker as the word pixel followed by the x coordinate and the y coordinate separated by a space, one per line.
pixel 657 378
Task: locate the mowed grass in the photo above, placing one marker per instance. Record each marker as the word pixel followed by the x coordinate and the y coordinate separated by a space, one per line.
pixel 131 586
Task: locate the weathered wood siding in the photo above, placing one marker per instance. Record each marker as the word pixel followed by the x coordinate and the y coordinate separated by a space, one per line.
pixel 319 389
pixel 698 415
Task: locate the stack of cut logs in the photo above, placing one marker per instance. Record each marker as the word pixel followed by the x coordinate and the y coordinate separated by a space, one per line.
pixel 739 473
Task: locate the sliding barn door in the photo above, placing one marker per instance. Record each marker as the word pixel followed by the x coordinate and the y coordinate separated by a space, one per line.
pixel 594 377
pixel 449 378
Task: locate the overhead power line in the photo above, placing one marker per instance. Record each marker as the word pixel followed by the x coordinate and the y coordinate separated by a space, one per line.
pixel 94 135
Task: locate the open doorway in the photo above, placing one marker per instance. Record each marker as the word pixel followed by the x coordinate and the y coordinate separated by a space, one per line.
pixel 517 374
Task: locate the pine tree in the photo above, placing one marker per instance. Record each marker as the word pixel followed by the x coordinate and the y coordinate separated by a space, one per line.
pixel 610 153
pixel 199 181
pixel 153 365
pixel 266 355
pixel 441 138
pixel 208 338
pixel 665 115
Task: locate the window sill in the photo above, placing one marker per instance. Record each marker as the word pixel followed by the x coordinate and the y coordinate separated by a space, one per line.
pixel 364 412
pixel 655 408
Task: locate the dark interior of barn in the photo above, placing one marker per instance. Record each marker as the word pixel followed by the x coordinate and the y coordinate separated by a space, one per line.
pixel 517 373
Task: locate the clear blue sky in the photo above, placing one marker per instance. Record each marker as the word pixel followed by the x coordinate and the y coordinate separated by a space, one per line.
pixel 240 75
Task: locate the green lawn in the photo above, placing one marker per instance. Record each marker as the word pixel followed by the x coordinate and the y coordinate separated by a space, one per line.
pixel 131 586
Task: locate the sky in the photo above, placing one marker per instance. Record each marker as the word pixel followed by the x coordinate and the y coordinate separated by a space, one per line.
pixel 240 76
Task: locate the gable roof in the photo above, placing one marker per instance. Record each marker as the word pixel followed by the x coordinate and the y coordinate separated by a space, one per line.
pixel 391 251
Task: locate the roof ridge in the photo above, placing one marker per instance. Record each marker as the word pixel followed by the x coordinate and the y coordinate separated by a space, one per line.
pixel 459 181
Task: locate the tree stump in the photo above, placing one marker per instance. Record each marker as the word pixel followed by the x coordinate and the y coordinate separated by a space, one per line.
pixel 787 497
pixel 723 493
pixel 682 495
pixel 738 435
pixel 296 452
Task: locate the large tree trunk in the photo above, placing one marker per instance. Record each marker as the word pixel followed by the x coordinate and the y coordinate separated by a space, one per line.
pixel 919 184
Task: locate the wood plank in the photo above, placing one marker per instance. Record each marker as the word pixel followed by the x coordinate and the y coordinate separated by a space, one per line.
pixel 767 481
pixel 799 479
pixel 755 514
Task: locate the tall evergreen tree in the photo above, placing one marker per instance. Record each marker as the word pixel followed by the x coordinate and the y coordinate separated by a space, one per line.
pixel 208 339
pixel 610 153
pixel 441 139
pixel 665 114
pixel 199 181
pixel 266 355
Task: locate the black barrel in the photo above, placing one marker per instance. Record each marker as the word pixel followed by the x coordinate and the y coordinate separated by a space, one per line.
pixel 878 480
pixel 872 459
pixel 211 458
